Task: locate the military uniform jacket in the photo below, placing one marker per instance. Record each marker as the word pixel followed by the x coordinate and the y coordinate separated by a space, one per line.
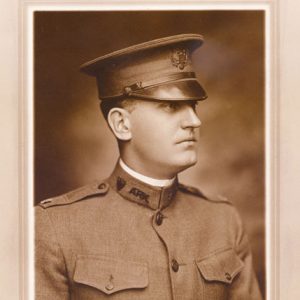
pixel 124 239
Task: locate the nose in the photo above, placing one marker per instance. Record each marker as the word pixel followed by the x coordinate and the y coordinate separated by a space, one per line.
pixel 191 119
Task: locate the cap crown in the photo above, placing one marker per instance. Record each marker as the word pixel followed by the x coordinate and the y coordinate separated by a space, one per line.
pixel 160 69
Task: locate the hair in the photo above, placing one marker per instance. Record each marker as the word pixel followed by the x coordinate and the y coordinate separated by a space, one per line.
pixel 107 105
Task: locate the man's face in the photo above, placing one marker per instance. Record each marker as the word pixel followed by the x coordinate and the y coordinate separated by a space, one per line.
pixel 164 141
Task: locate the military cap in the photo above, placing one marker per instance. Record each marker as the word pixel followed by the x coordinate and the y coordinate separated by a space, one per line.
pixel 160 69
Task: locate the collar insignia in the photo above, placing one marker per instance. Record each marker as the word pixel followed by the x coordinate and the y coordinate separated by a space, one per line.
pixel 139 194
pixel 120 183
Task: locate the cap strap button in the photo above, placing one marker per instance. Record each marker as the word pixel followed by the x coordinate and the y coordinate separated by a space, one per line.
pixel 127 90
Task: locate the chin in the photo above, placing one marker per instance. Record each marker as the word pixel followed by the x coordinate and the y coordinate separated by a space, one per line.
pixel 186 162
pixel 191 162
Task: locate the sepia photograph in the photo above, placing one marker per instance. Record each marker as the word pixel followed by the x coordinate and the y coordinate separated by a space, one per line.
pixel 149 154
pixel 149 150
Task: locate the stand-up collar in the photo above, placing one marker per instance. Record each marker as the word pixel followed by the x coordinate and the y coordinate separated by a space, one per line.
pixel 139 192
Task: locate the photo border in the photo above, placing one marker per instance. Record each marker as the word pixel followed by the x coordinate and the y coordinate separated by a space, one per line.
pixel 26 117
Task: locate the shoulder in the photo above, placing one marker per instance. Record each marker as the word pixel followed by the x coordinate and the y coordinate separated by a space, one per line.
pixel 186 189
pixel 97 188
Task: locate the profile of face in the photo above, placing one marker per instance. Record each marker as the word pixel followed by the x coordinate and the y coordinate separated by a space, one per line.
pixel 160 137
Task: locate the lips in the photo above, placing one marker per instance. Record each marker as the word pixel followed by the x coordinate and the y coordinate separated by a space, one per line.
pixel 189 139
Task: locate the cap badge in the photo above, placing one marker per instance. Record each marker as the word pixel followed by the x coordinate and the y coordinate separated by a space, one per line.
pixel 179 58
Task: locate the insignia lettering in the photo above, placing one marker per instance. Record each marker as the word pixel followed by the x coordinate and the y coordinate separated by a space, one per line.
pixel 139 194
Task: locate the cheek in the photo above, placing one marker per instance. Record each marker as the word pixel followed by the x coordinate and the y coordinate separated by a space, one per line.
pixel 151 131
pixel 151 138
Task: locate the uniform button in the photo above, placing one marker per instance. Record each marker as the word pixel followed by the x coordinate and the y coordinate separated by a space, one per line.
pixel 101 186
pixel 46 201
pixel 175 265
pixel 109 286
pixel 228 276
pixel 159 218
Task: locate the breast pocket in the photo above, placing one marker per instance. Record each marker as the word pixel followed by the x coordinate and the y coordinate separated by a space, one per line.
pixel 108 275
pixel 218 271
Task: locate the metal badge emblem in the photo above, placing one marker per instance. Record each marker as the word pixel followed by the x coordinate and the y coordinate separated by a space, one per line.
pixel 120 183
pixel 180 58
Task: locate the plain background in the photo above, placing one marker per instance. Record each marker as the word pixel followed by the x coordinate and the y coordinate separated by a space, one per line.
pixel 73 145
pixel 289 152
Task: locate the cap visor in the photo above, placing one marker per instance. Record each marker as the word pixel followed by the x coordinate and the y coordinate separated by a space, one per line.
pixel 174 91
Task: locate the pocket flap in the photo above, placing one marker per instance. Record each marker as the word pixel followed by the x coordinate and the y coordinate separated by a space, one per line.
pixel 109 275
pixel 221 266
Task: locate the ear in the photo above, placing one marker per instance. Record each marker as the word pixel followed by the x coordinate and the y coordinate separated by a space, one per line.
pixel 119 122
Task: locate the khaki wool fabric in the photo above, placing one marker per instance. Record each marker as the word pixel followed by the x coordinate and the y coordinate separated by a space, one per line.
pixel 123 239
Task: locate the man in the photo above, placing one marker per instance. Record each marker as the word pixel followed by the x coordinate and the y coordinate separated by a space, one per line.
pixel 140 234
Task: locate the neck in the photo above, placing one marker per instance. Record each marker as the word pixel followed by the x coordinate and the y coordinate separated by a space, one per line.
pixel 146 179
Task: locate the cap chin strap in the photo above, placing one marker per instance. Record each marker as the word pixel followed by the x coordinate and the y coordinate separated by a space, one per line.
pixel 146 97
pixel 132 90
pixel 158 81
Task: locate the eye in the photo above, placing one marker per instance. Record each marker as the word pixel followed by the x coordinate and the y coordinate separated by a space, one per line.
pixel 173 106
pixel 170 105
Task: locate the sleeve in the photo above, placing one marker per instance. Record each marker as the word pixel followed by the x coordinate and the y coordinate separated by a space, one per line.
pixel 51 281
pixel 246 286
